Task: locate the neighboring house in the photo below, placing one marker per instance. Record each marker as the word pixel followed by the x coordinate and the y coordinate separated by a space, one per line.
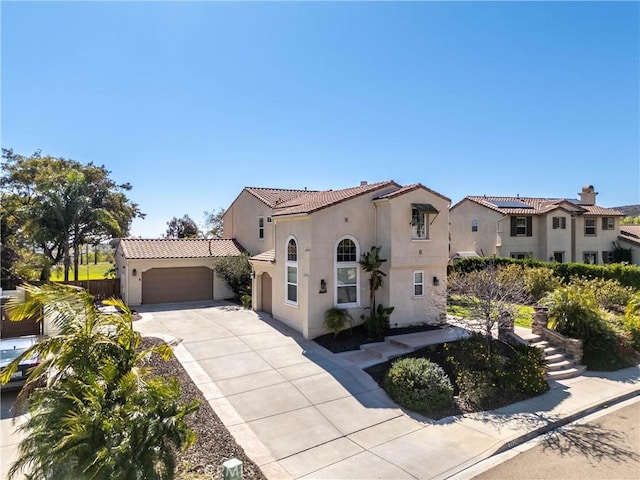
pixel 171 270
pixel 306 246
pixel 630 238
pixel 550 229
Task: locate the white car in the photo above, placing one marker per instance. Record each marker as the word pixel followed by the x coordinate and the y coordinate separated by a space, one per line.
pixel 11 349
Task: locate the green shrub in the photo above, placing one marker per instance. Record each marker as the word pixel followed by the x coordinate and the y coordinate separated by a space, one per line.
pixel 525 371
pixel 539 281
pixel 337 319
pixel 478 387
pixel 482 377
pixel 628 275
pixel 246 300
pixel 631 322
pixel 608 294
pixel 377 323
pixel 419 385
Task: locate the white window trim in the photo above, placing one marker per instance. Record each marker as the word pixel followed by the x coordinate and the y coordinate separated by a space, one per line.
pixel 523 227
pixel 261 229
pixel 355 264
pixel 425 219
pixel 592 254
pixel 415 284
pixel 290 264
pixel 595 227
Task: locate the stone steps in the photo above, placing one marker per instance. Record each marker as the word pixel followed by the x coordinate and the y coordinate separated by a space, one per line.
pixel 558 366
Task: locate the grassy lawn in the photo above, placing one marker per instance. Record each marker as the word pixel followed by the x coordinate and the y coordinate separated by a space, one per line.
pixel 457 306
pixel 95 272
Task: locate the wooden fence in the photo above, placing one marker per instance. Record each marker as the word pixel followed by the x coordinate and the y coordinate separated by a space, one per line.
pixel 100 289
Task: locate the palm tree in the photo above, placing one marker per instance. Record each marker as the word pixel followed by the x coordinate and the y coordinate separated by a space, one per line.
pixel 94 411
pixel 371 262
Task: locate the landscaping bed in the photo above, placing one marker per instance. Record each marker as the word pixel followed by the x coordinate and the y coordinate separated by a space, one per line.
pixel 438 354
pixel 351 339
pixel 214 444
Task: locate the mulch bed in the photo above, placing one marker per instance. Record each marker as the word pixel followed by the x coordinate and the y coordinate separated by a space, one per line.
pixel 214 445
pixel 351 340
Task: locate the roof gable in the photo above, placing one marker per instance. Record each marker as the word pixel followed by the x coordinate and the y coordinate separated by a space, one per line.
pixel 139 249
pixel 410 188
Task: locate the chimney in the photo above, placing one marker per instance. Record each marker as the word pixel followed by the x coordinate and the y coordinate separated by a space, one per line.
pixel 363 183
pixel 588 195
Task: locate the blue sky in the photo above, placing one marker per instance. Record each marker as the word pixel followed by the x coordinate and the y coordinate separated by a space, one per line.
pixel 192 101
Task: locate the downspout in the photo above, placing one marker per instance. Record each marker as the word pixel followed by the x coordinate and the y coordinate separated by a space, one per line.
pixel 498 232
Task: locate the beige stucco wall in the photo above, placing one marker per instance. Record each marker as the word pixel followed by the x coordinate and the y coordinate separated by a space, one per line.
pixel 484 241
pixel 635 250
pixel 542 244
pixel 557 240
pixel 386 224
pixel 240 221
pixel 603 241
pixel 409 255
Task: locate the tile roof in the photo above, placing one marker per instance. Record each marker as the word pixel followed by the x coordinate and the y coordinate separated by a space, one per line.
pixel 539 206
pixel 312 201
pixel 138 248
pixel 272 197
pixel 268 256
pixel 630 233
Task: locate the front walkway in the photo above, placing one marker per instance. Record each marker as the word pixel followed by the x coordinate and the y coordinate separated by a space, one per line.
pixel 300 411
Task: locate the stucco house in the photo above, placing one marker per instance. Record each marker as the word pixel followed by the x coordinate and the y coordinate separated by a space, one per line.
pixel 305 247
pixel 171 270
pixel 550 229
pixel 630 238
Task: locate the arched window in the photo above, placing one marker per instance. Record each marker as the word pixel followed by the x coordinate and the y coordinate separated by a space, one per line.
pixel 347 268
pixel 291 273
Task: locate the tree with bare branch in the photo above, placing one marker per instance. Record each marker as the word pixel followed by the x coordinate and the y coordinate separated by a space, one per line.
pixel 491 295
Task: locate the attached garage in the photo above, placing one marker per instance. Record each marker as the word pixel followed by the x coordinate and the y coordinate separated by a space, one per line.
pixel 181 284
pixel 172 270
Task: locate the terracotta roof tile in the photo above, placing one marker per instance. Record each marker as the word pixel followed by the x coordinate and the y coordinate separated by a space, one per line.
pixel 539 206
pixel 630 233
pixel 137 248
pixel 309 202
pixel 268 256
pixel 273 197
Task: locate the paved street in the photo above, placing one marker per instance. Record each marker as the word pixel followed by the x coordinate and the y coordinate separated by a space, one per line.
pixel 604 445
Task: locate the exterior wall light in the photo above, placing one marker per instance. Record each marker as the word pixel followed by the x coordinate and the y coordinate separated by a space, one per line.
pixel 436 281
pixel 323 286
pixel 134 272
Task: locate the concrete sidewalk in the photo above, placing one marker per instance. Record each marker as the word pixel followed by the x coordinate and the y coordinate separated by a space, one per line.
pixel 300 411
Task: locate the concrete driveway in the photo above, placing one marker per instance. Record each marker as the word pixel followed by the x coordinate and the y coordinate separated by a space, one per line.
pixel 293 406
pixel 297 409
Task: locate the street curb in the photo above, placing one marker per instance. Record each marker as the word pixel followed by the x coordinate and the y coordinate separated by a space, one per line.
pixel 564 421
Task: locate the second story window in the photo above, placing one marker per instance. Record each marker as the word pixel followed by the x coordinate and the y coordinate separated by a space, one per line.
pixel 521 226
pixel 608 223
pixel 474 225
pixel 559 223
pixel 420 215
pixel 260 227
pixel 590 227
